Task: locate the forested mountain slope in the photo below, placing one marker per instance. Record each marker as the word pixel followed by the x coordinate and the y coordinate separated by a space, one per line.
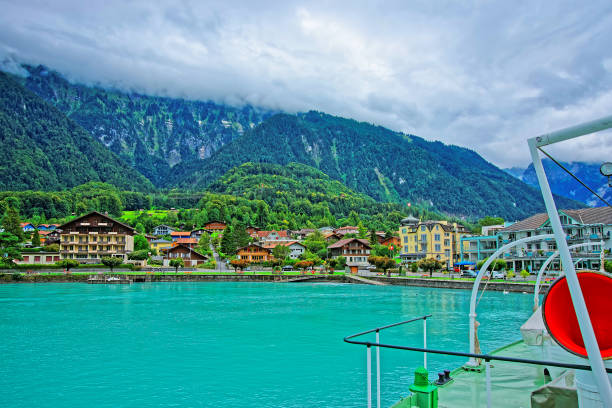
pixel 386 165
pixel 151 133
pixel 44 150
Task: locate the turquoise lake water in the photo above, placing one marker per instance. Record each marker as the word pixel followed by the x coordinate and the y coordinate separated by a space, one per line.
pixel 227 344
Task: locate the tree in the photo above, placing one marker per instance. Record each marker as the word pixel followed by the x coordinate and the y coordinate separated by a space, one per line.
pixel 239 264
pixel 373 237
pixel 9 249
pixel 524 274
pixel 36 239
pixel 608 266
pixel 140 243
pixel 240 237
pixel 140 228
pixel 303 265
pixel 341 262
pixel 12 223
pixel 204 242
pixel 139 255
pixel 227 245
pixel 68 264
pixel 332 263
pixel 177 263
pixel 281 252
pixel 112 262
pixel 382 262
pixel 52 248
pixel 430 265
pixel 414 267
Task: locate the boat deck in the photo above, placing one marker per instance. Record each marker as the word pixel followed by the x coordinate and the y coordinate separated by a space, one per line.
pixel 511 383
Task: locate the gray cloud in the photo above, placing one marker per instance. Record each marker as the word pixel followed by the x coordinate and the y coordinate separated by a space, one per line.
pixel 478 74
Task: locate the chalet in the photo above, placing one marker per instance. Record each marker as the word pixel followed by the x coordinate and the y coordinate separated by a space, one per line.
pixel 355 250
pixel 40 258
pixel 215 226
pixel 342 231
pixel 302 233
pixel 392 243
pixel 95 235
pixel 190 257
pixel 296 248
pixel 254 253
pixel 27 227
pixel 252 231
pixel 175 235
pixel 273 238
pixel 197 233
pixel 162 230
pixel 49 237
pixel 332 237
pixel 188 242
pixel 326 230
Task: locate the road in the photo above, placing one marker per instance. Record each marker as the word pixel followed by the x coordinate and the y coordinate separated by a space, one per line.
pixel 221 266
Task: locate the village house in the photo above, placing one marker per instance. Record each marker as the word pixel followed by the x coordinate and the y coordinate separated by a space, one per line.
pixel 273 238
pixel 355 250
pixel 39 258
pixel 162 230
pixel 254 253
pixel 190 257
pixel 95 235
pixel 392 243
pixel 188 242
pixel 160 244
pixel 49 237
pixel 342 231
pixel 296 249
pixel 252 231
pixel 302 233
pixel 27 227
pixel 197 233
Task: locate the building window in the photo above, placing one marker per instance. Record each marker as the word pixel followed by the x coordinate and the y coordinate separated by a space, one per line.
pixel 447 242
pixel 423 237
pixel 405 239
pixel 437 246
pixel 403 230
pixel 423 228
pixel 447 253
pixel 437 237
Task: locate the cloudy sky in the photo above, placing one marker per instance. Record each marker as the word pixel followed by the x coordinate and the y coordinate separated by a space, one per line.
pixel 481 74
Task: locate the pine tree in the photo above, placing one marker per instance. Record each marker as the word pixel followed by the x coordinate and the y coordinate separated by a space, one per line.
pixel 241 237
pixel 11 222
pixel 227 242
pixel 36 239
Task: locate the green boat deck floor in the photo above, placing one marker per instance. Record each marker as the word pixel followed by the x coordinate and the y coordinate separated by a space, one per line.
pixel 511 383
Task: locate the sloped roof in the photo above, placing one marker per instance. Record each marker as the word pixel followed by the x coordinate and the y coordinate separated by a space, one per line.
pixel 263 234
pixel 596 215
pixel 97 213
pixel 343 242
pixel 191 251
pixel 180 233
pixel 187 241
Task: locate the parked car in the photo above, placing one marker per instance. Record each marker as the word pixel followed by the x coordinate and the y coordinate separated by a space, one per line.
pixel 288 268
pixel 469 274
pixel 498 275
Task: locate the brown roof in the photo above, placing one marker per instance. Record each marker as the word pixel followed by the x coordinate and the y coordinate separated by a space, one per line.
pixel 98 213
pixel 343 242
pixel 596 215
pixel 253 244
pixel 191 251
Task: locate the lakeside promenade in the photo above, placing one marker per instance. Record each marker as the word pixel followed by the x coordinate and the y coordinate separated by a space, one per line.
pixel 418 280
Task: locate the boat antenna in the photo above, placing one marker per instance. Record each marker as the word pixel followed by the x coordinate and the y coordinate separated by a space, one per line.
pixel 574 176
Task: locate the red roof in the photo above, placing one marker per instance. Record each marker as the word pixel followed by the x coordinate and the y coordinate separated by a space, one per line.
pixel 187 241
pixel 180 233
pixel 263 234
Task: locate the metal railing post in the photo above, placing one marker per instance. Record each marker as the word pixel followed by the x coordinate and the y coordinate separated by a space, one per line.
pixel 425 342
pixel 378 370
pixel 488 377
pixel 369 375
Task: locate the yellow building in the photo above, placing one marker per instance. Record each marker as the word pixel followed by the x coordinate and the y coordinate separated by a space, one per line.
pixel 159 244
pixel 440 240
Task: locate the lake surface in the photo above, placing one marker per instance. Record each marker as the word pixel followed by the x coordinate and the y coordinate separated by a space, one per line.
pixel 227 344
